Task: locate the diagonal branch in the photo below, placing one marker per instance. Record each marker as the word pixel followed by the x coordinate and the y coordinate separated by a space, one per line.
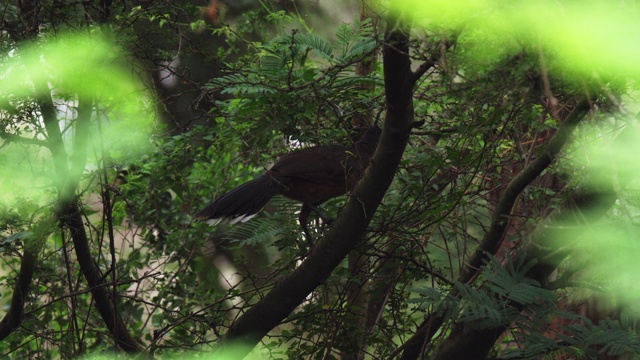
pixel 68 212
pixel 66 182
pixel 434 58
pixel 348 229
pixel 585 205
pixel 492 239
pixel 500 221
pixel 13 318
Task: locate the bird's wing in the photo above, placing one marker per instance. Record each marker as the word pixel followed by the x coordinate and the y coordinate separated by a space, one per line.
pixel 326 164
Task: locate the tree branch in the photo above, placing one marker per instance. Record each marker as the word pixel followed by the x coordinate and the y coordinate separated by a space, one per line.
pixel 13 318
pixel 433 59
pixel 66 182
pixel 68 213
pixel 493 237
pixel 585 205
pixel 351 339
pixel 9 138
pixel 348 229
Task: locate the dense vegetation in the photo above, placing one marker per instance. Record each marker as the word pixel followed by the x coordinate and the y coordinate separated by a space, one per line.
pixel 497 220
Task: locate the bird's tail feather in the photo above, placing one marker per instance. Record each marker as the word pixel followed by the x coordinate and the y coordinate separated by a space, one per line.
pixel 241 203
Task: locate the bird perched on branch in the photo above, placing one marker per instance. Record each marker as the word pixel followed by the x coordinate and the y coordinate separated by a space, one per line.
pixel 311 176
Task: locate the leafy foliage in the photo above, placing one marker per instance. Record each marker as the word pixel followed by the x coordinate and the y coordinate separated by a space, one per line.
pixel 180 285
pixel 283 73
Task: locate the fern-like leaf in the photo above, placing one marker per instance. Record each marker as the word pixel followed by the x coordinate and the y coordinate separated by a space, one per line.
pixel 482 310
pixel 511 282
pixel 321 47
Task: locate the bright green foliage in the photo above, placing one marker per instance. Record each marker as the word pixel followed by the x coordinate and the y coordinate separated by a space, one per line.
pixel 76 65
pixel 613 240
pixel 580 37
pixel 181 284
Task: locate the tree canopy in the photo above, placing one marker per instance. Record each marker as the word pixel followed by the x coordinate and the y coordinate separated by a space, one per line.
pixel 496 219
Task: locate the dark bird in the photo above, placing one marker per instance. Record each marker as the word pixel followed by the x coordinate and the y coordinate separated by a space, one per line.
pixel 311 176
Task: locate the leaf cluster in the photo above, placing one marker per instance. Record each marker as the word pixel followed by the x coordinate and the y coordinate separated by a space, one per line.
pixel 302 74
